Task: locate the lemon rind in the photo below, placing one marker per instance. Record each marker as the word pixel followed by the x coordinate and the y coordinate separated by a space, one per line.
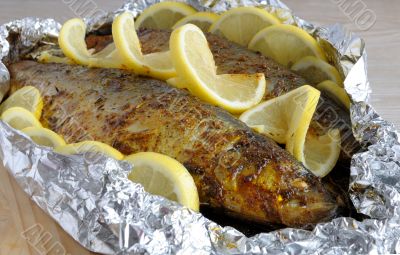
pixel 176 172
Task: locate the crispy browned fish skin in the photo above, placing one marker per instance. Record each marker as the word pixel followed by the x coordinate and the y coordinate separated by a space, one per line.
pixel 233 167
pixel 233 58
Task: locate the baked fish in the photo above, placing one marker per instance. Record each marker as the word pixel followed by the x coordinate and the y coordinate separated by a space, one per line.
pixel 234 168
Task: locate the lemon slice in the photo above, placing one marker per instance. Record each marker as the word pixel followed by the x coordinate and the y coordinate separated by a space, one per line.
pixel 164 176
pixel 286 44
pixel 195 64
pixel 89 146
pixel 72 43
pixel 321 152
pixel 315 70
pixel 201 19
pixel 338 93
pixel 27 97
pixel 240 24
pixel 44 136
pixel 20 118
pixel 163 15
pixel 158 65
pixel 286 118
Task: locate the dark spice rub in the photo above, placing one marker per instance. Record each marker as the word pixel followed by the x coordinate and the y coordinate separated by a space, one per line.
pixel 233 167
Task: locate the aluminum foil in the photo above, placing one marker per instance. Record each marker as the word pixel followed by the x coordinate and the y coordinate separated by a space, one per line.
pixel 91 198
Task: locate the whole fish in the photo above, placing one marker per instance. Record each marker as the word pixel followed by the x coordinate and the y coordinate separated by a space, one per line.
pixel 234 168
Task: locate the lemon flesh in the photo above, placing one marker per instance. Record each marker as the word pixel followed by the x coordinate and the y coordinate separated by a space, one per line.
pixel 158 65
pixel 195 64
pixel 164 176
pixel 286 44
pixel 338 93
pixel 322 152
pixel 20 118
pixel 203 20
pixel 27 97
pixel 89 146
pixel 73 45
pixel 286 118
pixel 163 15
pixel 44 136
pixel 240 24
pixel 315 71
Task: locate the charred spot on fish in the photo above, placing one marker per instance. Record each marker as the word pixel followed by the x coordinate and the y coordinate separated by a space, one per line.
pixel 122 146
pixel 212 188
pixel 193 168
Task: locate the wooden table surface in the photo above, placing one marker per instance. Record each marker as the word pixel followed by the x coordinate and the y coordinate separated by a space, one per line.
pixel 26 226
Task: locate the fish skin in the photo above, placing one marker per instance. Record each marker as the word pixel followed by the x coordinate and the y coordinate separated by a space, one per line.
pixel 233 58
pixel 234 168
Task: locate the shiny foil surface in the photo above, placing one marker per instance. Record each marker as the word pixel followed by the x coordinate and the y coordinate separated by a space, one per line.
pixel 92 199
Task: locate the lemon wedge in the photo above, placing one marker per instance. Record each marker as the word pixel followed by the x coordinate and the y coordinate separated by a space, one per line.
pixel 44 136
pixel 89 146
pixel 315 71
pixel 286 118
pixel 286 44
pixel 158 65
pixel 338 93
pixel 240 24
pixel 195 64
pixel 321 152
pixel 20 118
pixel 163 15
pixel 201 19
pixel 73 45
pixel 27 97
pixel 164 176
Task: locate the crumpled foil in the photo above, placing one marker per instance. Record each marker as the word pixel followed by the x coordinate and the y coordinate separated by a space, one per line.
pixel 91 198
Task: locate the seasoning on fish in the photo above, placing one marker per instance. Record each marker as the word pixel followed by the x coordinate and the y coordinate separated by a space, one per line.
pixel 233 167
